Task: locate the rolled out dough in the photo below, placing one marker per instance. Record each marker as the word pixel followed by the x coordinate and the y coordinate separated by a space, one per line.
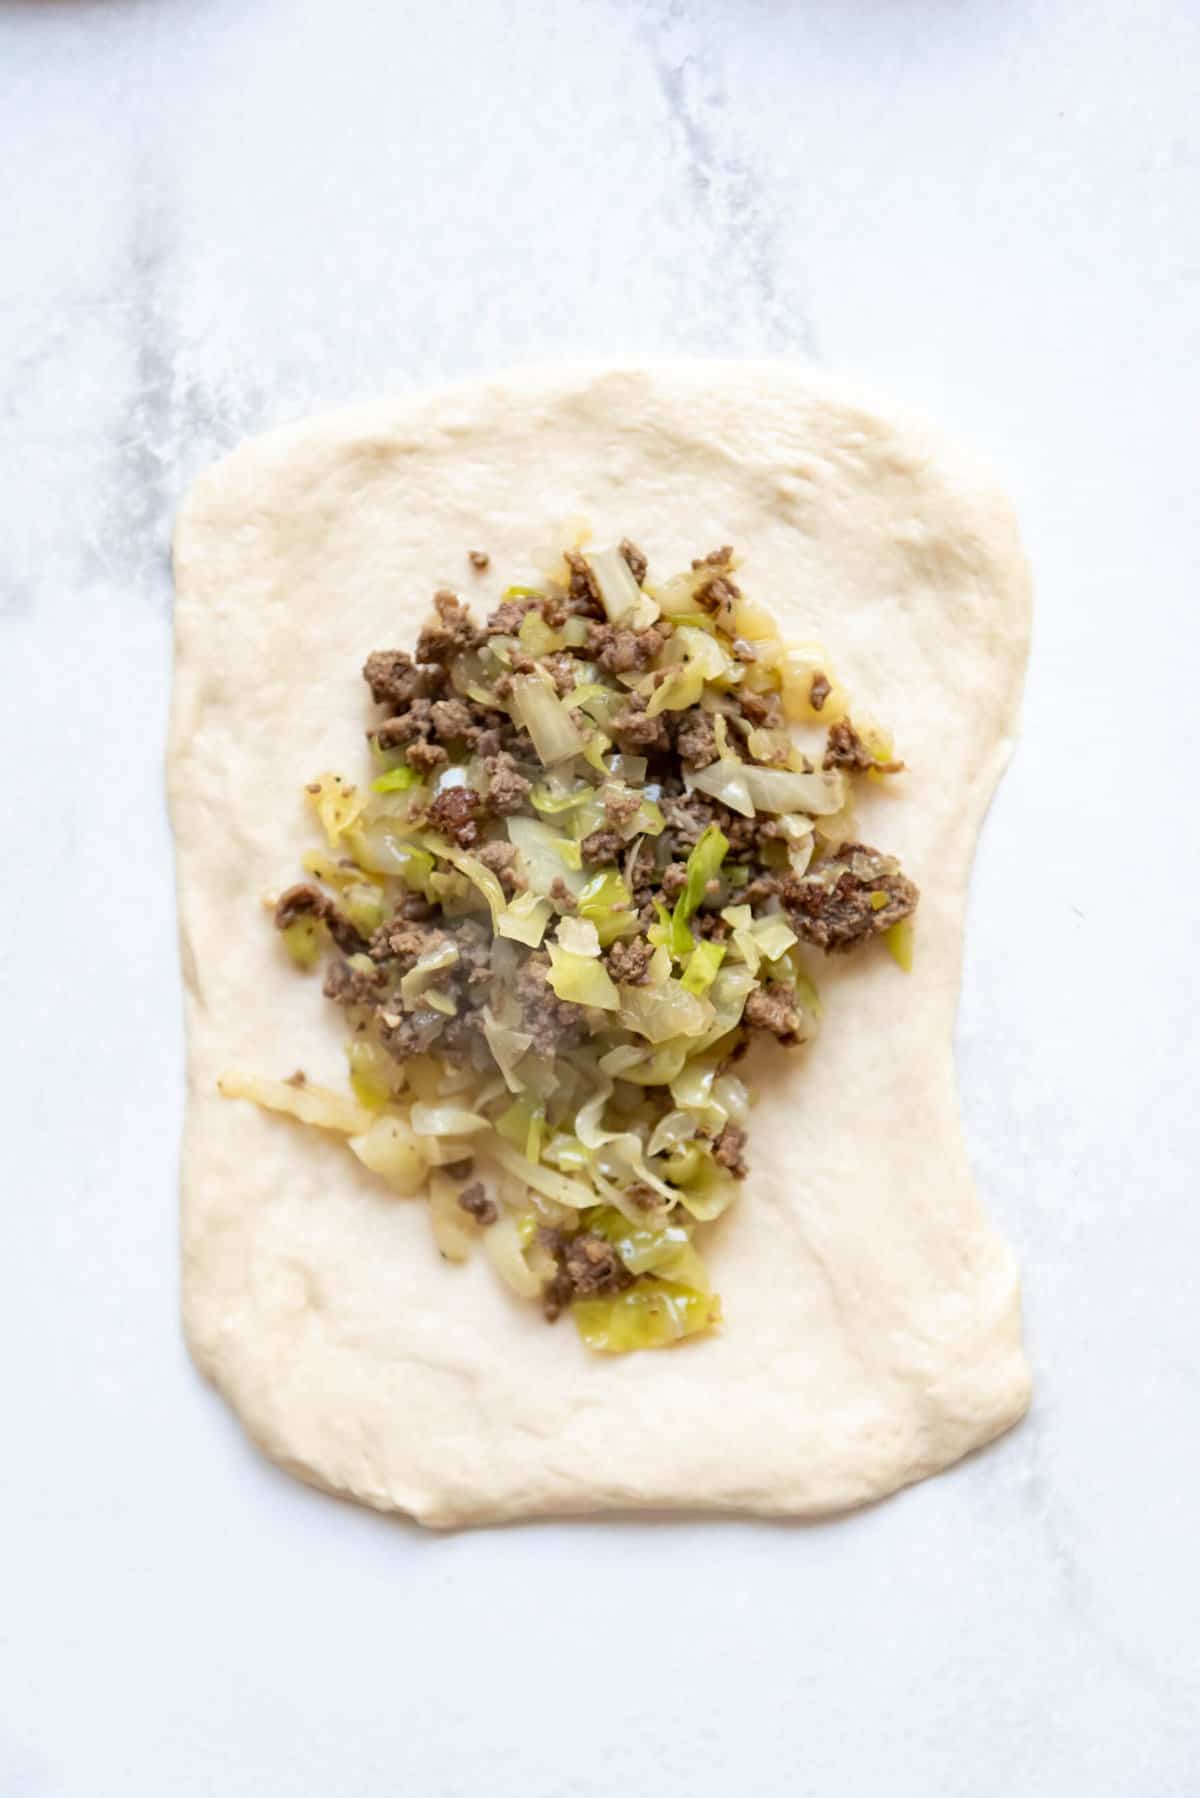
pixel 872 1330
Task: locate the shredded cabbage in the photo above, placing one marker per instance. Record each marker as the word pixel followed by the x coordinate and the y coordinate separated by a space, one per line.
pixel 649 1314
pixel 396 780
pixel 606 902
pixel 702 966
pixel 304 940
pixel 425 971
pixel 337 804
pixel 370 1073
pixel 662 1013
pixel 542 862
pixel 446 1120
pixel 620 595
pixel 578 936
pixel 308 1103
pixel 507 1047
pixel 581 980
pixel 389 1148
pixel 899 940
pixel 571 1193
pixel 451 1230
pixel 555 734
pixel 505 1249
pixel 703 865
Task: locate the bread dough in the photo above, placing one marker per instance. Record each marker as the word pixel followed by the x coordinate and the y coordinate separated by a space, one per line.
pixel 872 1331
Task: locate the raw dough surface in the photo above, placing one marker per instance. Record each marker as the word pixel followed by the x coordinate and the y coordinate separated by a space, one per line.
pixel 872 1329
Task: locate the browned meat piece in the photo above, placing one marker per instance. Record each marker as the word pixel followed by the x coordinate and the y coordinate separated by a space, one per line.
pixel 392 677
pixel 716 558
pixel 426 758
pixel 635 731
pixel 695 738
pixel 718 597
pixel 635 561
pixel 309 901
pixel 500 857
pixel 846 749
pixel 415 722
pixel 628 962
pixel 728 1150
pixel 709 924
pixel 505 621
pixel 451 719
pixel 479 560
pixel 584 593
pixel 818 692
pixel 561 894
pixel 587 1265
pixel 620 807
pixel 603 845
pixel 476 1204
pixel 507 790
pixel 621 651
pixel 773 1008
pixel 866 898
pixel 674 879
pixel 405 943
pixel 353 986
pixel 765 709
pixel 451 634
pixel 562 670
pixel 454 813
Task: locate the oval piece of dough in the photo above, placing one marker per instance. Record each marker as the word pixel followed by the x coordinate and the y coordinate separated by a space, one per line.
pixel 872 1330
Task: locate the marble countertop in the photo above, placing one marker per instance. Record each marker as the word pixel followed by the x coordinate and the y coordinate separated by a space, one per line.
pixel 217 217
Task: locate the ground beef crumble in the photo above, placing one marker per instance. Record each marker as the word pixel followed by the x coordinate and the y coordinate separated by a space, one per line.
pixel 475 1202
pixel 635 561
pixel 628 962
pixel 587 1267
pixel 309 901
pixel 729 1150
pixel 455 814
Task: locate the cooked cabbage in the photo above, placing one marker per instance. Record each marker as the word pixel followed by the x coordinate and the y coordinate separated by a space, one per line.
pixel 390 1149
pixel 556 736
pixel 308 1103
pixel 649 1314
pixel 581 980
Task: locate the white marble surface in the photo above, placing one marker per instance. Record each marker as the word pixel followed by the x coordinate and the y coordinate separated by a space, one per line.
pixel 216 216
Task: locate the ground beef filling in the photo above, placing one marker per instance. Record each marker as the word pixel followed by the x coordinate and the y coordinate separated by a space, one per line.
pixel 586 1267
pixel 844 899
